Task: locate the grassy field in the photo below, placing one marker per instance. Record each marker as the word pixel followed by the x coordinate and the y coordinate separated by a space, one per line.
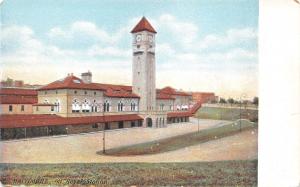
pixel 227 113
pixel 222 173
pixel 181 141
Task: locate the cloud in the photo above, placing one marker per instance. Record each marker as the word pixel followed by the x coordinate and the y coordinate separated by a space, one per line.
pixel 232 37
pixel 176 28
pixel 219 62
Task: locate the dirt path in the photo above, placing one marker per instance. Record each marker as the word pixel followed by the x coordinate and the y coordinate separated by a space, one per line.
pixel 83 148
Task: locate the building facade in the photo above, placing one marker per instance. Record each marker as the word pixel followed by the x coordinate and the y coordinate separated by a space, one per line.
pixel 76 105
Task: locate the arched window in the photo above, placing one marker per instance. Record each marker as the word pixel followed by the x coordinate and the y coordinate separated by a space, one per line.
pixel 86 106
pixel 133 106
pixel 94 106
pixel 161 106
pixel 57 105
pixel 120 106
pixel 75 106
pixel 106 106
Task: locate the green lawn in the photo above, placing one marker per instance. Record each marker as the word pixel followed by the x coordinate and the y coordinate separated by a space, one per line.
pixel 221 173
pixel 181 141
pixel 227 113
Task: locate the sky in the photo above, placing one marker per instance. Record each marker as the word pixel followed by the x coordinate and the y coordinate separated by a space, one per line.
pixel 201 45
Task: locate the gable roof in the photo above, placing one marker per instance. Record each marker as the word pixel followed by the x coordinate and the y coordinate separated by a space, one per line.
pixel 71 82
pixel 143 25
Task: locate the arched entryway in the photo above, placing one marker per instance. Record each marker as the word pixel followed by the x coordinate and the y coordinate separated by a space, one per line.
pixel 149 122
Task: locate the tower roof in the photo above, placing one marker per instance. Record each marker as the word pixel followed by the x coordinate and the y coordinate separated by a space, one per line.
pixel 143 25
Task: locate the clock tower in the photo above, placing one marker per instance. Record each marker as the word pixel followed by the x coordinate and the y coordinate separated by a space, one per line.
pixel 143 67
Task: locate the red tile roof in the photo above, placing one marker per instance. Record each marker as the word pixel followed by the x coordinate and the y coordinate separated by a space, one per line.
pixel 18 99
pixel 120 93
pixel 18 91
pixel 188 113
pixel 196 107
pixel 110 90
pixel 35 120
pixel 143 25
pixel 164 96
pixel 71 82
pixel 171 91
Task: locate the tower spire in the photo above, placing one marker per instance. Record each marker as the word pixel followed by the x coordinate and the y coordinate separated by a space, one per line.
pixel 143 25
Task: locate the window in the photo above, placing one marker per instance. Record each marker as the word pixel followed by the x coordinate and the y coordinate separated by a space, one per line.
pixel 138 73
pixel 120 106
pixel 95 125
pixel 75 92
pixel 86 107
pixel 22 108
pixel 37 108
pixel 133 124
pixel 85 92
pixel 94 106
pixel 45 93
pixel 95 93
pixel 57 105
pixel 52 108
pixel 133 106
pixel 106 106
pixel 10 108
pixel 56 92
pixel 75 106
pixel 161 106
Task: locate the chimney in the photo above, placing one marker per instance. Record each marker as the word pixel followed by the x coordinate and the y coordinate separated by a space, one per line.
pixel 86 77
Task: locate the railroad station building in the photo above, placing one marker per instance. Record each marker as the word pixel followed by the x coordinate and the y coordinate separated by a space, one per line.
pixel 76 104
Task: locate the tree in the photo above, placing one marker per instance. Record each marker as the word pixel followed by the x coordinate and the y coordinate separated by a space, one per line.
pixel 222 100
pixel 255 101
pixel 231 101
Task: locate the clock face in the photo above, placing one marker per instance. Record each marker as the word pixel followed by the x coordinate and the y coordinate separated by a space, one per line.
pixel 138 38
